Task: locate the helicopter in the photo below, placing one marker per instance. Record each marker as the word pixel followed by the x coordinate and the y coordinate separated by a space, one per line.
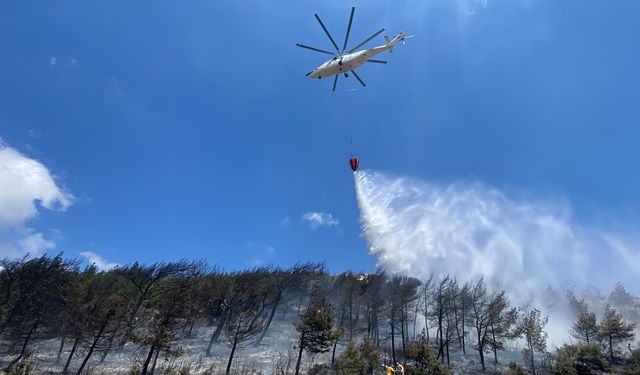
pixel 344 61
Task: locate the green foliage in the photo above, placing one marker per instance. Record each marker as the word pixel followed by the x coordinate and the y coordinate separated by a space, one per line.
pixel 424 359
pixel 350 362
pixel 370 354
pixel 531 328
pixel 633 368
pixel 364 359
pixel 585 328
pixel 24 367
pixel 514 369
pixel 579 359
pixel 319 369
pixel 315 327
pixel 613 329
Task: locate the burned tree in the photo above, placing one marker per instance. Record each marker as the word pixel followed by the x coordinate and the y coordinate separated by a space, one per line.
pixel 281 281
pixel 231 290
pixel 479 317
pixel 245 322
pixel 146 283
pixel 166 314
pixel 502 320
pixel 40 289
pixel 531 328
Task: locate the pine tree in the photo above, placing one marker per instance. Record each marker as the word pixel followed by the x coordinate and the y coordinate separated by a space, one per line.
pixel 501 323
pixel 350 362
pixel 531 328
pixel 246 321
pixel 369 354
pixel 585 328
pixel 424 358
pixel 315 328
pixel 479 316
pixel 614 330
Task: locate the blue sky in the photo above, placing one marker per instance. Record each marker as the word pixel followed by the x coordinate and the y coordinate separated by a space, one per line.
pixel 188 129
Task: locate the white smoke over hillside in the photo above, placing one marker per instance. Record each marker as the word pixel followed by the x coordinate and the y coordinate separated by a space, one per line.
pixel 469 230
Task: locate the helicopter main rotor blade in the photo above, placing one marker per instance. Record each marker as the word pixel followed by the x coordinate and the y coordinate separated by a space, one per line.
pixel 335 81
pixel 315 49
pixel 377 61
pixel 327 32
pixel 346 38
pixel 358 77
pixel 366 41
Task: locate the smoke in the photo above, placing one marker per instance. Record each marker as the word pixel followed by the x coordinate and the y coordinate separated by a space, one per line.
pixel 469 230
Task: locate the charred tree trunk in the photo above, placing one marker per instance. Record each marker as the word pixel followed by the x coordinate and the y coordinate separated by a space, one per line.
pixel 300 354
pixel 155 361
pixel 95 341
pixel 447 346
pixel 11 315
pixel 145 366
pixel 456 320
pixel 610 348
pixel 26 342
pixel 233 351
pixel 415 320
pixel 393 343
pixel 377 328
pixel 133 314
pixel 333 354
pixel 216 333
pixel 350 320
pixel 441 346
pixel 73 351
pixel 60 349
pixel 193 322
pixel 464 351
pixel 426 314
pixel 111 339
pixel 495 349
pixel 481 349
pixel 404 349
pixel 533 360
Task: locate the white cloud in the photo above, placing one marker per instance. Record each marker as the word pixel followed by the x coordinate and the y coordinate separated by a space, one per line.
pixel 319 219
pixel 101 263
pixel 23 182
pixel 35 243
pixel 52 61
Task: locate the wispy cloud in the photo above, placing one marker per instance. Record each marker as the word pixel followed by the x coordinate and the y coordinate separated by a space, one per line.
pixel 261 254
pixel 101 263
pixel 33 133
pixel 285 222
pixel 23 182
pixel 320 219
pixel 52 61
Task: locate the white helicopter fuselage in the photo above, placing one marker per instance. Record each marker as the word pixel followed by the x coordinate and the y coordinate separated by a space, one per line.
pixel 350 61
